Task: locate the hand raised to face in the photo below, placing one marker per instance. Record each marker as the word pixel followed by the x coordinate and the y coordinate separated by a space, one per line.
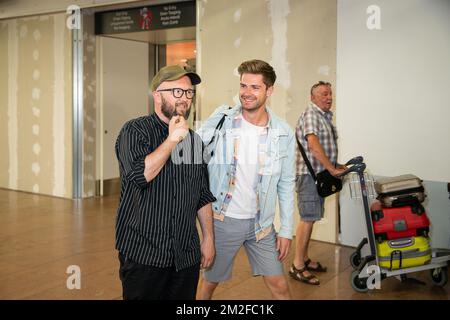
pixel 178 128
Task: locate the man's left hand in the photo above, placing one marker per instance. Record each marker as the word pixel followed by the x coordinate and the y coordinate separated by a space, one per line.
pixel 283 245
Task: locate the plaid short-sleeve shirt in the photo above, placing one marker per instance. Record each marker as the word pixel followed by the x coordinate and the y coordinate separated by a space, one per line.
pixel 315 121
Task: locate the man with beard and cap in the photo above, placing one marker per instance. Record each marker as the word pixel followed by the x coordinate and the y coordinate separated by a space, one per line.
pixel 164 188
pixel 252 164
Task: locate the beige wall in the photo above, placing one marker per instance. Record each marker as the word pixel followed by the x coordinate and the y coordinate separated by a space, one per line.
pixel 297 37
pixel 405 70
pixel 35 103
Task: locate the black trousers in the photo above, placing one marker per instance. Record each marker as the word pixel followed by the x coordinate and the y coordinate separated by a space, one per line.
pixel 142 282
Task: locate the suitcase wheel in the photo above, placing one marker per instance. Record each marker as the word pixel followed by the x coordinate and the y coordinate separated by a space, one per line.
pixel 418 209
pixel 439 276
pixel 377 215
pixel 423 232
pixel 381 237
pixel 358 284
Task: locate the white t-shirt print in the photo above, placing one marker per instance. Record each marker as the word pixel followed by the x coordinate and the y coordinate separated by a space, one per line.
pixel 243 204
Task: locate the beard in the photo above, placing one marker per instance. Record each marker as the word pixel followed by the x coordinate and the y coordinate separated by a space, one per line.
pixel 170 110
pixel 255 105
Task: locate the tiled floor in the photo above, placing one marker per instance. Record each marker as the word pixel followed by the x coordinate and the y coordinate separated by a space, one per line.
pixel 40 237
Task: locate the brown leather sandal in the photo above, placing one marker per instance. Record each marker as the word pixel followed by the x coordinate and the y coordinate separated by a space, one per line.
pixel 298 274
pixel 319 267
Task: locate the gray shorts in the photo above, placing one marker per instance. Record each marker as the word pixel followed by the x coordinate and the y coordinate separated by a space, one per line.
pixel 230 234
pixel 310 204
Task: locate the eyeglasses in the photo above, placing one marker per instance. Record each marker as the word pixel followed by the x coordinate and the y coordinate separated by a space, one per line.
pixel 178 92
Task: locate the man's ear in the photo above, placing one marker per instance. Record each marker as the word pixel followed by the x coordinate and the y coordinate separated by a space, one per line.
pixel 156 97
pixel 269 91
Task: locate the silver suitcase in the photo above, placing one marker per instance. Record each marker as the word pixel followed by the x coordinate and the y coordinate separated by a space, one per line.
pixel 400 191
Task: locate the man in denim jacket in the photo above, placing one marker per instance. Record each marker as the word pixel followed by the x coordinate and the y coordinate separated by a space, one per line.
pixel 252 163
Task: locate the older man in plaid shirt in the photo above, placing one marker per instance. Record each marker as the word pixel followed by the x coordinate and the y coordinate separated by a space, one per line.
pixel 317 134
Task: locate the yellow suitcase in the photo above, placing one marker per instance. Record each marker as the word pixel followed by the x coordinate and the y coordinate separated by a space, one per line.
pixel 403 253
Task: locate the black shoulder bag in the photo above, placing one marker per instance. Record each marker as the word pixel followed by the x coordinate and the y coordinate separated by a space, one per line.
pixel 326 183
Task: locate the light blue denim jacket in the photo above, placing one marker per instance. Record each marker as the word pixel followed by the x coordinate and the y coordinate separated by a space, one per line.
pixel 278 178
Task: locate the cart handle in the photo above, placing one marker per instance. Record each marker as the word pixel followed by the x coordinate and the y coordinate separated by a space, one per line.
pixel 356 160
pixel 358 167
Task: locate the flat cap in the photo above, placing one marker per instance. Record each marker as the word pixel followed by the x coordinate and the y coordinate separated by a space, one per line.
pixel 173 72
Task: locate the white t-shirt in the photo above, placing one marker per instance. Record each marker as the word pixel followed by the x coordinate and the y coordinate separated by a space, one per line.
pixel 243 203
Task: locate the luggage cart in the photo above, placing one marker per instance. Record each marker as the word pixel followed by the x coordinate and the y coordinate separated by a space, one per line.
pixel 440 258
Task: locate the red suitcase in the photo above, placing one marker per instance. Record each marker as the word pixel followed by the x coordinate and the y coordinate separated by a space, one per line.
pixel 399 222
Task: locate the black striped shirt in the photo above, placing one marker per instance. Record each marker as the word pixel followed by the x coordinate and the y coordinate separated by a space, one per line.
pixel 156 220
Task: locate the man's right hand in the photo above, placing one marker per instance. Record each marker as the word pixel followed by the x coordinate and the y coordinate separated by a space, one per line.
pixel 178 128
pixel 337 171
pixel 317 150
